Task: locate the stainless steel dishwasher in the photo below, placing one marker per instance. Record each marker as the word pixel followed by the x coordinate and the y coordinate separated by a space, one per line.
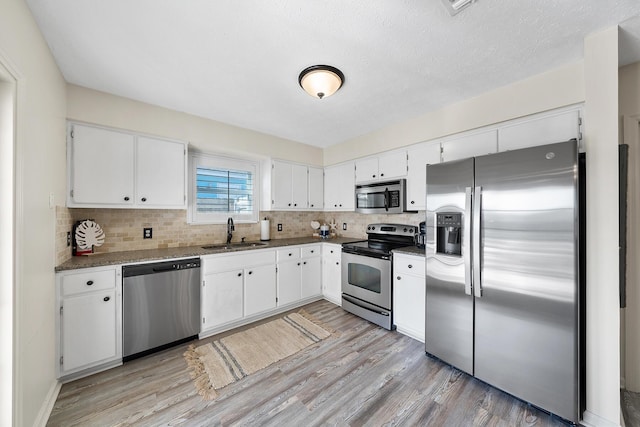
pixel 160 305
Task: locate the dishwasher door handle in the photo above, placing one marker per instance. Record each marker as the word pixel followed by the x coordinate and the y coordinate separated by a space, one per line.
pixel 162 269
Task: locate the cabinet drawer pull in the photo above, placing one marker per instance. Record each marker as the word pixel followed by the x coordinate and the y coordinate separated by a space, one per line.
pixel 410 266
pixel 337 263
pixel 413 202
pixel 105 299
pixel 251 272
pixel 289 204
pixel 290 253
pixel 239 274
pixel 381 174
pixel 311 205
pixel 126 198
pixel 398 277
pixel 331 251
pixel 298 263
pixel 144 199
pixel 90 282
pixel 295 204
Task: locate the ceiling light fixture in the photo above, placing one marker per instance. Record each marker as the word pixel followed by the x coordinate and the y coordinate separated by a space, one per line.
pixel 321 81
pixel 455 6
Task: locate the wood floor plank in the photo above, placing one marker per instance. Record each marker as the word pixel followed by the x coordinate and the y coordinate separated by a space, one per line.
pixel 361 375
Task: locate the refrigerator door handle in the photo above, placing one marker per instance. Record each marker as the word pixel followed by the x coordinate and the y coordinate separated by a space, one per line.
pixel 477 206
pixel 466 241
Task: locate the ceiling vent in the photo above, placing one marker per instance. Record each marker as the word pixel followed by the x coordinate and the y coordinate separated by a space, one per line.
pixel 455 6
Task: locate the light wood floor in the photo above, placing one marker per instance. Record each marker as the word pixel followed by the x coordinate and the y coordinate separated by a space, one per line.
pixel 366 376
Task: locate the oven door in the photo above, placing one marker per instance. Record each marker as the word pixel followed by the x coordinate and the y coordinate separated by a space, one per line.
pixel 367 278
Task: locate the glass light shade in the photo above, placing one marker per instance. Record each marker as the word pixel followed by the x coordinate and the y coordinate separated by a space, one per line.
pixel 321 81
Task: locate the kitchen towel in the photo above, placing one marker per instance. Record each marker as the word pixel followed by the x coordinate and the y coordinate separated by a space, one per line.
pixel 264 229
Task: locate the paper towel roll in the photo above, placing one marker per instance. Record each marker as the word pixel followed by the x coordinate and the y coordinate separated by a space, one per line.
pixel 264 229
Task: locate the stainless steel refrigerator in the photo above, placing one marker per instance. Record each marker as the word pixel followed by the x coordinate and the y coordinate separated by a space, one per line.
pixel 502 266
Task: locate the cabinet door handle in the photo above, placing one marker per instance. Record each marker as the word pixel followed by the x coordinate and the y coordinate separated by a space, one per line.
pixel 337 263
pixel 251 272
pixel 126 198
pixel 289 204
pixel 413 202
pixel 239 274
pixel 410 266
pixel 398 277
pixel 381 174
pixel 290 254
pixel 298 263
pixel 311 250
pixel 295 204
pixel 90 282
pixel 144 199
pixel 105 299
pixel 305 263
pixel 373 176
pixel 311 205
pixel 331 251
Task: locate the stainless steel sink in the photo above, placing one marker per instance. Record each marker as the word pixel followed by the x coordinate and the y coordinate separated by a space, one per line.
pixel 235 245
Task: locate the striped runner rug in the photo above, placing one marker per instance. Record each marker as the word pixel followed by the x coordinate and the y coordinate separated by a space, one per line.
pixel 229 359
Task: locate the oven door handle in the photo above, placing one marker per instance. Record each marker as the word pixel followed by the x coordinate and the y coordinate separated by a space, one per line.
pixel 356 302
pixel 386 199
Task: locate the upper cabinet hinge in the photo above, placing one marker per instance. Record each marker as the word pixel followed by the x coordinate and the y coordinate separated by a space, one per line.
pixel 71 193
pixel 203 283
pixel 61 360
pixel 61 310
pixel 72 134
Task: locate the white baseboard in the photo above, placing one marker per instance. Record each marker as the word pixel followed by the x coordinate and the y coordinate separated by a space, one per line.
pixel 589 419
pixel 47 405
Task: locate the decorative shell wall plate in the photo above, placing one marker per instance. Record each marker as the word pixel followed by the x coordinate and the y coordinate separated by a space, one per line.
pixel 89 234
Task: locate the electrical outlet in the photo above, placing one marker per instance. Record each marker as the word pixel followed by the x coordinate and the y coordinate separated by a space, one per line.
pixel 279 227
pixel 68 238
pixel 147 233
pixel 344 226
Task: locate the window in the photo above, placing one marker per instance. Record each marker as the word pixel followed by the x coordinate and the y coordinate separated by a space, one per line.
pixel 222 187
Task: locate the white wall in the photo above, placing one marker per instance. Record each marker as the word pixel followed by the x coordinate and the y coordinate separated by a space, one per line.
pixel 601 142
pixel 40 165
pixel 553 89
pixel 207 135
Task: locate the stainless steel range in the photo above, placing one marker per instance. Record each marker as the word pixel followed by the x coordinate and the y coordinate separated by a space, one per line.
pixel 367 272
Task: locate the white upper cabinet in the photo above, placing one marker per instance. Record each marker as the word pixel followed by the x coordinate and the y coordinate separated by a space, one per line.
pixel 281 185
pixel 160 173
pixel 339 187
pixel 316 188
pixel 101 167
pixel 419 157
pixel 382 167
pixel 296 186
pixel 543 130
pixel 477 144
pixel 116 169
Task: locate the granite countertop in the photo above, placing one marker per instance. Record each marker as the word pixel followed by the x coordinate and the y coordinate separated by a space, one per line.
pixel 126 257
pixel 410 250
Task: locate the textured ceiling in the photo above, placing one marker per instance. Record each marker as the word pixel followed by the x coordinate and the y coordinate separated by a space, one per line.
pixel 238 62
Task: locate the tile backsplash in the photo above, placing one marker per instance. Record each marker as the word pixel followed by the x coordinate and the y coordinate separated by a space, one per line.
pixel 123 228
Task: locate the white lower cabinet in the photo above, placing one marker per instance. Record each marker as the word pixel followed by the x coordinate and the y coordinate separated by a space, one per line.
pixel 409 295
pixel 236 286
pixel 223 294
pixel 89 323
pixel 299 273
pixel 259 289
pixel 332 272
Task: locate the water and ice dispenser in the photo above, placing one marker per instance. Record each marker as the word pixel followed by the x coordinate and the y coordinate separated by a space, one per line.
pixel 449 233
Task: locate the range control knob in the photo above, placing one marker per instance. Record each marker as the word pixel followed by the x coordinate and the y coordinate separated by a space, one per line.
pixel 405 229
pixel 373 228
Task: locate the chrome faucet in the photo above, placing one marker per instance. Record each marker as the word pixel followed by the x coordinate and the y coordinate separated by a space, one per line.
pixel 230 229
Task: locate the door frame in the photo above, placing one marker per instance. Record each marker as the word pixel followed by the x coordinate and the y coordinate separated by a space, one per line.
pixel 630 371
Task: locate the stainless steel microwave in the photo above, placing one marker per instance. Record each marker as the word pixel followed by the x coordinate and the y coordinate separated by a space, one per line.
pixel 381 197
